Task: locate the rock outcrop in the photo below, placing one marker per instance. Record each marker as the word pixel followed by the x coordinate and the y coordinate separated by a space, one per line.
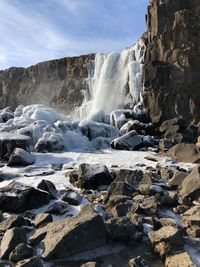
pixel 171 72
pixel 56 83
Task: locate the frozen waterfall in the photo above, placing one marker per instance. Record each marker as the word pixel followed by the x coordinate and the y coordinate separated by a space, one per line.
pixel 114 81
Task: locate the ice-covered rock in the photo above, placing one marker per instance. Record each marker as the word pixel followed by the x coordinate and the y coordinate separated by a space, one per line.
pixel 50 142
pixel 95 129
pixel 21 157
pixel 129 141
pixel 10 141
pixel 120 116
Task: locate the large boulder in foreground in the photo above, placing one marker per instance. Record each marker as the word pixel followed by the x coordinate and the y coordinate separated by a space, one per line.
pixel 185 152
pixel 181 259
pixel 129 141
pixel 191 185
pixel 70 236
pixel 91 176
pixel 21 157
pixel 10 141
pixel 17 197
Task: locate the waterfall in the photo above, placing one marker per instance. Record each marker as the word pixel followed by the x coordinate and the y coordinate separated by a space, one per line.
pixel 114 81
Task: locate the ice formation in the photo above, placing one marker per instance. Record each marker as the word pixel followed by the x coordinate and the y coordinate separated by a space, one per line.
pixel 114 81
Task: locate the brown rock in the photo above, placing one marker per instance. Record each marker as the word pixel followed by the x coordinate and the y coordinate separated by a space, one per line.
pixel 179 260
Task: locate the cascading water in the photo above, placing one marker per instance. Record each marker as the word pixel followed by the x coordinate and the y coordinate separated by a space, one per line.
pixel 114 81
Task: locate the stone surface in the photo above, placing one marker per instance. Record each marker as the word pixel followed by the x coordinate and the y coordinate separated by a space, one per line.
pixel 11 239
pixel 21 157
pixel 12 221
pixel 21 252
pixel 32 262
pixel 129 141
pixel 91 176
pixel 41 219
pixel 10 141
pixel 180 259
pixel 191 185
pixel 56 83
pixel 172 60
pixel 48 187
pixel 185 152
pixel 17 197
pixel 70 236
pixel 177 179
pixel 59 207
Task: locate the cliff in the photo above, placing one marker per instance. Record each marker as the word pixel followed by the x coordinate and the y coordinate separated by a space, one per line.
pixel 57 83
pixel 171 72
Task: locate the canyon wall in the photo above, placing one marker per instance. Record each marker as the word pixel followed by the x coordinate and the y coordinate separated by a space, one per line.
pixel 171 72
pixel 57 83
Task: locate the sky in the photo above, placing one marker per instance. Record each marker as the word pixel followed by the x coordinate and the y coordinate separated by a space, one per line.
pixel 32 31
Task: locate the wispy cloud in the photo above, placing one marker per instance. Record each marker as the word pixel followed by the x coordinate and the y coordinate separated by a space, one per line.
pixel 33 31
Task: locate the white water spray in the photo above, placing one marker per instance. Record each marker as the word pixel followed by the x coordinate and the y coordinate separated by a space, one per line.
pixel 114 81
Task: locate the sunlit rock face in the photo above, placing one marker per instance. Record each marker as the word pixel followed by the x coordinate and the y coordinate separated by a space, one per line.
pixel 171 72
pixel 57 83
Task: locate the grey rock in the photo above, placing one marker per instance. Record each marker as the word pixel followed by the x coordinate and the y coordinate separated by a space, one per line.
pixel 58 208
pixel 21 157
pixel 32 262
pixel 48 187
pixel 129 141
pixel 21 252
pixel 42 219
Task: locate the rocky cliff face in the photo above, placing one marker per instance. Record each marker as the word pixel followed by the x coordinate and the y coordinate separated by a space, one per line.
pixel 172 69
pixel 57 83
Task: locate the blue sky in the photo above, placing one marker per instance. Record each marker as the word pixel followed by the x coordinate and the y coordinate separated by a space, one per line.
pixel 36 30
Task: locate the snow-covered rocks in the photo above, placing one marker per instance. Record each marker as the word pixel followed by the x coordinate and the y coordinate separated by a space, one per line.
pixel 129 141
pixel 21 157
pixel 10 141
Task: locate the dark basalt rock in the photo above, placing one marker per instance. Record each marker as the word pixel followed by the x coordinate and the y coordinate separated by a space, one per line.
pixel 56 83
pixel 17 197
pixel 172 61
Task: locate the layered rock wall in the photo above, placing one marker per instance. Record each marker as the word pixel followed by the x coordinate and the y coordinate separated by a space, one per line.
pixel 171 72
pixel 57 83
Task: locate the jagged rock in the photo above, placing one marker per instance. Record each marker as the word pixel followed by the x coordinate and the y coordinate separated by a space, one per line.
pixel 148 141
pixel 182 259
pixel 191 185
pixel 149 205
pixel 21 252
pixel 72 198
pixel 11 239
pixel 56 83
pixel 120 116
pixel 170 198
pixel 91 176
pixel 129 141
pixel 70 236
pixel 172 61
pixel 13 221
pixel 10 141
pixel 166 125
pixel 140 181
pixel 58 208
pixel 17 197
pixel 185 152
pixel 32 262
pixel 165 239
pixel 48 187
pixel 165 222
pixel 176 181
pixel 42 219
pixel 118 188
pixel 21 157
pixel 50 142
pixel 120 229
pixel 122 209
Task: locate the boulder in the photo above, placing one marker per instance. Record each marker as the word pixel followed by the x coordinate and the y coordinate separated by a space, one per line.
pixel 32 262
pixel 165 144
pixel 42 219
pixel 58 208
pixel 11 239
pixel 166 239
pixel 166 125
pixel 72 198
pixel 48 187
pixel 149 205
pixel 185 153
pixel 12 221
pixel 129 141
pixel 21 157
pixel 177 179
pixel 21 252
pixel 10 141
pixel 70 236
pixel 191 186
pixel 91 176
pixel 50 142
pixel 181 259
pixel 17 197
